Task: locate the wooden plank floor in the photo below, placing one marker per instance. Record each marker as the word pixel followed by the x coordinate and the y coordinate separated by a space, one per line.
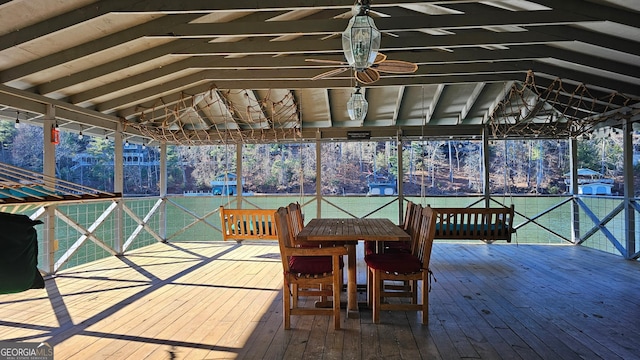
pixel 223 301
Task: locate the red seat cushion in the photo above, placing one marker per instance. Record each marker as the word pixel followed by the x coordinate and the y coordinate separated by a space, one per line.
pixel 311 265
pixel 401 263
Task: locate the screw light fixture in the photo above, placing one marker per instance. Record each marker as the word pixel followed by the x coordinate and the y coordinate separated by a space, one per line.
pixel 361 39
pixel 357 106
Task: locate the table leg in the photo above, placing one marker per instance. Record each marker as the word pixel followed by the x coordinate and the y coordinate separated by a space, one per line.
pixel 352 287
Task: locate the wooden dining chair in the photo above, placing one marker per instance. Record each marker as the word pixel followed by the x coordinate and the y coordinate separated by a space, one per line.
pixel 410 225
pixel 296 220
pixel 412 267
pixel 308 272
pixel 297 223
pixel 371 247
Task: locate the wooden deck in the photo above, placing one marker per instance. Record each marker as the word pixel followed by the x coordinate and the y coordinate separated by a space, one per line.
pixel 221 300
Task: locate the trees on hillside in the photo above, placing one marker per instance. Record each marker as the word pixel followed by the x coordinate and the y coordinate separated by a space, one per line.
pixel 430 166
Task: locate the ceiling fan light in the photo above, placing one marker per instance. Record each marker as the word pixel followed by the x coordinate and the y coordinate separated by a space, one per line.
pixel 357 106
pixel 361 41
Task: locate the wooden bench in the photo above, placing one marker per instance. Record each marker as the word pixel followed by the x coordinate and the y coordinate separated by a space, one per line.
pixel 486 224
pixel 248 224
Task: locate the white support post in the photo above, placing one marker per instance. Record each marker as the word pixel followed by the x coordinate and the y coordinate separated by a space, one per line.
pixel 573 179
pixel 400 178
pixel 629 210
pixel 486 190
pixel 118 187
pixel 239 175
pixel 118 160
pixel 49 170
pixel 163 190
pixel 318 176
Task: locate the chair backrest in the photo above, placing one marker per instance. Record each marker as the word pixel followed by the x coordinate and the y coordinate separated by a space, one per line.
pixel 295 215
pixel 416 215
pixel 414 224
pixel 407 215
pixel 284 235
pixel 425 236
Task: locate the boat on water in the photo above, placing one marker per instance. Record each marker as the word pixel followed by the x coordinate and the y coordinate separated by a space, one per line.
pixel 590 182
pixel 380 184
pixel 226 184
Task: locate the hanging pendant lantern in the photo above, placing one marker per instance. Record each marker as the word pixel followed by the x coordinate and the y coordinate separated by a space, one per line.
pixel 357 106
pixel 361 40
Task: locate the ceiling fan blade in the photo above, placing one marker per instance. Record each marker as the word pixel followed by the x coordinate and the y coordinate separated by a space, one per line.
pixel 396 67
pixel 368 76
pixel 321 61
pixel 380 57
pixel 330 73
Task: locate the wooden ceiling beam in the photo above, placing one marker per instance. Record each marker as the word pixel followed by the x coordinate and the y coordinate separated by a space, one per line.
pixel 479 19
pixel 103 44
pixel 133 110
pixel 300 78
pixel 111 67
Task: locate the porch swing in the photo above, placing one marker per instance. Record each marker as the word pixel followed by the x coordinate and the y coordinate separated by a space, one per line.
pixel 469 223
pixel 254 224
pixel 244 224
pixel 476 223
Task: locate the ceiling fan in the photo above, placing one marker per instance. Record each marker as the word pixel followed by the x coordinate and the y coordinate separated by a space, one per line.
pixel 360 43
pixel 370 74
